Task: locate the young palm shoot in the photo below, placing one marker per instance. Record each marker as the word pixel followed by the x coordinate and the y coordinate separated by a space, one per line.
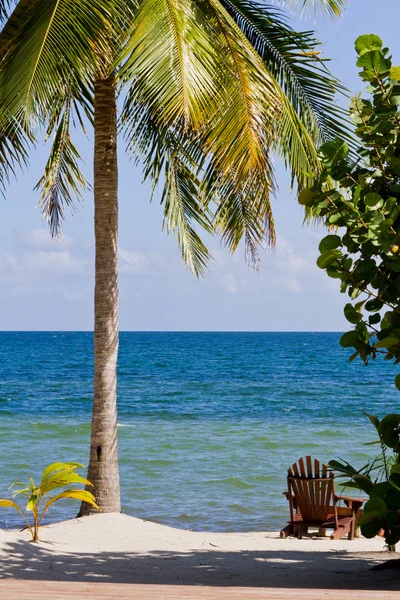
pixel 56 476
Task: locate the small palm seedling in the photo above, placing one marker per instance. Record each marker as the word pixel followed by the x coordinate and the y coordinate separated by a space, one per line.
pixel 55 476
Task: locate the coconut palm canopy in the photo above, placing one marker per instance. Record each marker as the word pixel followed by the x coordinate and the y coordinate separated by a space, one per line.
pixel 210 90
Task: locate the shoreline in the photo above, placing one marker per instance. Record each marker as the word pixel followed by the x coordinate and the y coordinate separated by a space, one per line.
pixel 117 548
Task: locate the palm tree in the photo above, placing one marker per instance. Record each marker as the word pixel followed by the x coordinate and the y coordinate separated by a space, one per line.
pixel 211 90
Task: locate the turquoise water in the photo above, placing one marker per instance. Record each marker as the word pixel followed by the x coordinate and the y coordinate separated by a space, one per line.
pixel 208 422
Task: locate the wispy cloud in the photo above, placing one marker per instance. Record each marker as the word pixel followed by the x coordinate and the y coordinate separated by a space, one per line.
pixel 40 239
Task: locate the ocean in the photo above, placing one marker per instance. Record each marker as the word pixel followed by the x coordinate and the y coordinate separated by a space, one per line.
pixel 208 422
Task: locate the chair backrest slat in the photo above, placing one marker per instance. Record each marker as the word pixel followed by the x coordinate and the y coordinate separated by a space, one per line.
pixel 314 491
pixel 309 466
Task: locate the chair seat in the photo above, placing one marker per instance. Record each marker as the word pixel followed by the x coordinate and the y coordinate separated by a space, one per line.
pixel 343 521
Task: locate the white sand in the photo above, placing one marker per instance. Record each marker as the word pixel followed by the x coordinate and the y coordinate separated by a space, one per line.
pixel 118 548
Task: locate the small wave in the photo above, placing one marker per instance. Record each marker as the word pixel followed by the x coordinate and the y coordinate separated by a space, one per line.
pixel 185 518
pixel 232 481
pixel 156 462
pixel 264 478
pixel 239 508
pixel 126 425
pixel 331 433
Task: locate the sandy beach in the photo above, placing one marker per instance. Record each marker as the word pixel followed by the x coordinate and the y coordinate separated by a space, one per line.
pixel 116 548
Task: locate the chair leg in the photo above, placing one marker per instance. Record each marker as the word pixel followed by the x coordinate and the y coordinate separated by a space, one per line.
pixel 286 531
pixel 340 532
pixel 301 529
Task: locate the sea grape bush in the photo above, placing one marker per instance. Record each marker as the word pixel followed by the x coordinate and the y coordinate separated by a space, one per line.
pixel 361 197
pixel 357 195
pixel 380 479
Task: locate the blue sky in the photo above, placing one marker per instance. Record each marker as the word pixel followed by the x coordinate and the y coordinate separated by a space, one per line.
pixel 48 285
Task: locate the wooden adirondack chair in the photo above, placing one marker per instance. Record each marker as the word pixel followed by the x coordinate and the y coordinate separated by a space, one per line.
pixel 313 502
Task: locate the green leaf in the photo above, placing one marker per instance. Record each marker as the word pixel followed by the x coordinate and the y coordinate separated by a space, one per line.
pixel 373 201
pixel 397 381
pixel 306 197
pixel 327 258
pixel 371 528
pixel 376 505
pixel 365 43
pixel 387 342
pixel 395 265
pixel 31 503
pixel 374 62
pixel 81 495
pixel 329 242
pixel 363 482
pixel 9 504
pixel 389 429
pixel 395 73
pixel 348 339
pixel 374 305
pixel 60 466
pixel 379 490
pixel 374 319
pixel 351 314
pixel 392 497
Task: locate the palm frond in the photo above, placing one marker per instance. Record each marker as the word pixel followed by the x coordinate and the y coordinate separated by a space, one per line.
pixel 15 141
pixel 62 181
pixel 244 212
pixel 332 8
pixel 176 157
pixel 172 58
pixel 309 115
pixel 182 208
pixel 41 46
pixel 225 110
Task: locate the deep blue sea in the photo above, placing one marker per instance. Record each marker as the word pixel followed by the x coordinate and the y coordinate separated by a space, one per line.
pixel 208 422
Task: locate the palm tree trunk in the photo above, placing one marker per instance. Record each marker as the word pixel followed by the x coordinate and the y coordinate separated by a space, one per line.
pixel 103 465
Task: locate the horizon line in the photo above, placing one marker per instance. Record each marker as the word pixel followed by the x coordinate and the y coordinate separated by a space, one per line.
pixel 170 331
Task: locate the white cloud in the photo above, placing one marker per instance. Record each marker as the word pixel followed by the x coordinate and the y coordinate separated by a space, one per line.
pixel 231 285
pixel 287 268
pixel 288 258
pixel 40 239
pixel 57 262
pixel 134 262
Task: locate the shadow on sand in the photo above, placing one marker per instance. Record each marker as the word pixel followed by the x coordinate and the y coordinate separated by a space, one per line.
pixel 326 570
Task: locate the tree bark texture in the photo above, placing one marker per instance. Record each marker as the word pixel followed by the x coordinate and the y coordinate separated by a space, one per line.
pixel 103 464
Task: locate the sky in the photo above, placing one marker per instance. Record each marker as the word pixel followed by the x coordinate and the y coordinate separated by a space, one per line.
pixel 47 284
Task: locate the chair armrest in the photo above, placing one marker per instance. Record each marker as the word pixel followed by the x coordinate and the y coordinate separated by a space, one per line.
pixel 291 497
pixel 351 502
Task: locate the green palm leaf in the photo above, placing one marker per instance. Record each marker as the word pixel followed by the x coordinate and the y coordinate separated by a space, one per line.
pixel 309 114
pixel 172 57
pixel 333 8
pixel 15 141
pixel 44 45
pixel 175 156
pixel 62 181
pixel 234 91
